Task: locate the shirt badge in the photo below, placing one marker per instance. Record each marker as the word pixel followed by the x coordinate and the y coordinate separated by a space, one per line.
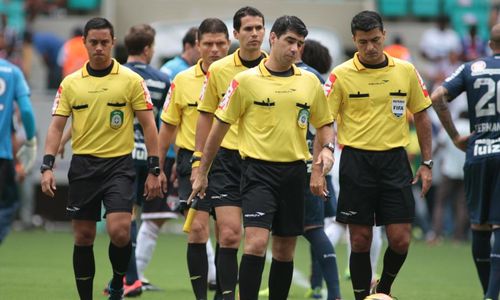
pixel 303 118
pixel 116 119
pixel 398 107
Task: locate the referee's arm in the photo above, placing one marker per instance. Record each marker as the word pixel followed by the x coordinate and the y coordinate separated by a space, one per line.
pixel 424 133
pixel 212 145
pixel 322 160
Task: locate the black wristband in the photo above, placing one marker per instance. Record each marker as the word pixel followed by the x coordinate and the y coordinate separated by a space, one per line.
pixel 153 162
pixel 48 160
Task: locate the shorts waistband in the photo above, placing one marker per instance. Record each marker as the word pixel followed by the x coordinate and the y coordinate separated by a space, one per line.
pixel 186 151
pixel 397 149
pixel 274 163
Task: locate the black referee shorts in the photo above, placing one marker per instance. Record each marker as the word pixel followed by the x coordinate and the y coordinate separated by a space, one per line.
pixel 375 187
pixel 184 178
pixel 93 180
pixel 224 179
pixel 273 196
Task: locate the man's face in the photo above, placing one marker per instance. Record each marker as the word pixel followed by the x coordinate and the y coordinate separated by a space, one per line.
pixel 251 33
pixel 370 45
pixel 287 47
pixel 213 46
pixel 99 44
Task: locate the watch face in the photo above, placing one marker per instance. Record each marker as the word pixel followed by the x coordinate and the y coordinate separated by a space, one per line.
pixel 155 171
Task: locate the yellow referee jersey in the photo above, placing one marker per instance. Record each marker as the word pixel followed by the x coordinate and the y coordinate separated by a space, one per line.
pixel 219 75
pixel 274 113
pixel 102 109
pixel 370 104
pixel 180 106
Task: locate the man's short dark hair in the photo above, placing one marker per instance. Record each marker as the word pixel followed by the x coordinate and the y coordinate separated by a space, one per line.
pixel 189 38
pixel 289 23
pixel 243 12
pixel 212 25
pixel 138 37
pixel 317 56
pixel 98 23
pixel 365 21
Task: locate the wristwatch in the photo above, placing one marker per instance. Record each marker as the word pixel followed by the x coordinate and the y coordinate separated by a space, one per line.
pixel 330 147
pixel 194 159
pixel 44 168
pixel 428 163
pixel 154 171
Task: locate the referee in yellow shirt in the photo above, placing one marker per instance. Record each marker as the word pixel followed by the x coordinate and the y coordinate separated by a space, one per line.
pixel 370 95
pixel 225 174
pixel 180 112
pixel 102 98
pixel 273 104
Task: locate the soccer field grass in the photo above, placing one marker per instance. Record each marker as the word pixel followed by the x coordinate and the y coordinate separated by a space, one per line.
pixel 37 265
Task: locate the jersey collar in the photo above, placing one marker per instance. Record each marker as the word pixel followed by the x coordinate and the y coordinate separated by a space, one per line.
pixel 263 70
pixel 237 60
pixel 197 69
pixel 359 66
pixel 116 67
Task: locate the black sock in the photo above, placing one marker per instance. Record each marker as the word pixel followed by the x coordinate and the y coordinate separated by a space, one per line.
pixel 227 264
pixel 119 257
pixel 84 268
pixel 280 279
pixel 361 274
pixel 481 251
pixel 392 264
pixel 494 282
pixel 131 275
pixel 250 275
pixel 218 289
pixel 198 268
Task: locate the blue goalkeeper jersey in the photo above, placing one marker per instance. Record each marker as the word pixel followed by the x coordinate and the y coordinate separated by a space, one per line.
pixel 13 87
pixel 480 80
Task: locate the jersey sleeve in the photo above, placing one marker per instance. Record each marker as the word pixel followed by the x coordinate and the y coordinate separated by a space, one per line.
pixel 230 108
pixel 171 112
pixel 62 105
pixel 333 93
pixel 209 99
pixel 320 112
pixel 455 83
pixel 419 97
pixel 22 88
pixel 140 99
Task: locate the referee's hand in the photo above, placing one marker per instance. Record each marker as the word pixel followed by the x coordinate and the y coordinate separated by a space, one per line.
pixel 325 161
pixel 163 182
pixel 318 182
pixel 425 174
pixel 199 187
pixel 152 187
pixel 48 183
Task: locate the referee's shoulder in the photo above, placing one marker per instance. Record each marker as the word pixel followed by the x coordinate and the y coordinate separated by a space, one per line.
pixel 185 74
pixel 403 64
pixel 222 63
pixel 346 66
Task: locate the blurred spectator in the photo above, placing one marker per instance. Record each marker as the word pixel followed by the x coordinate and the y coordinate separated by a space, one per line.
pixel 317 56
pixel 397 49
pixel 473 46
pixel 437 42
pixel 451 189
pixel 445 68
pixel 48 45
pixel 73 54
pixel 189 56
pixel 9 38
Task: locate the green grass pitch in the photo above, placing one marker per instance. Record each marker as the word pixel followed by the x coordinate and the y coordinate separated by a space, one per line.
pixel 37 265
